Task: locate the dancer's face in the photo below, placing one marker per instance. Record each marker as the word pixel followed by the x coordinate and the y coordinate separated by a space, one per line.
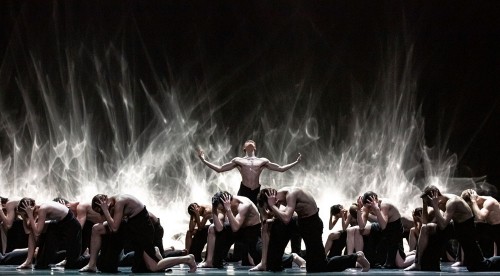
pixel 249 147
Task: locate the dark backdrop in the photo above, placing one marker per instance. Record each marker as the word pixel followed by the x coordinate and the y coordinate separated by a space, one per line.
pixel 256 50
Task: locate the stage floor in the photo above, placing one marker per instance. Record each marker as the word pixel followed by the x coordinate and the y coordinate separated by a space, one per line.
pixel 234 269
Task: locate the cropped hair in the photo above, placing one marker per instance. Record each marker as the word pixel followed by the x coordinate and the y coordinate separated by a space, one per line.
pixel 335 209
pixel 429 190
pixel 4 200
pixel 218 198
pixel 466 195
pixel 368 195
pixel 25 201
pixel 353 210
pixel 190 207
pixel 262 196
pixel 60 199
pixel 249 141
pixel 417 212
pixel 96 201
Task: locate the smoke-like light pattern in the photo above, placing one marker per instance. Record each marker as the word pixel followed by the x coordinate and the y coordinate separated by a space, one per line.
pixel 85 135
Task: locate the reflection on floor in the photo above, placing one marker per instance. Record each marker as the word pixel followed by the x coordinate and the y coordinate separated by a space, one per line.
pixel 235 269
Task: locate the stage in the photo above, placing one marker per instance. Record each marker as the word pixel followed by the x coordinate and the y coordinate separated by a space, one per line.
pixel 232 269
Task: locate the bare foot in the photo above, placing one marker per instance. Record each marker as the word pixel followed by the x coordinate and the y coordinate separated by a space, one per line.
pixel 191 263
pixel 205 265
pixel 455 264
pixel 24 265
pixel 157 253
pixel 88 268
pixel 61 263
pixel 413 267
pixel 365 264
pixel 259 267
pixel 299 260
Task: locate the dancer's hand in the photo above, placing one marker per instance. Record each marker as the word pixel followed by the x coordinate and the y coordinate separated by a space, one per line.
pixel 271 198
pixel 28 209
pixel 226 201
pixel 299 158
pixel 103 203
pixel 343 212
pixel 373 203
pixel 201 155
pixel 473 195
pixel 360 202
pixel 434 199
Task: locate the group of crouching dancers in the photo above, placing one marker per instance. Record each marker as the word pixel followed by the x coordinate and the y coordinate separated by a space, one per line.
pixel 461 229
pixel 114 231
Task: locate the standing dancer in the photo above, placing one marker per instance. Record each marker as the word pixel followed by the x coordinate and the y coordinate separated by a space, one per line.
pixel 250 167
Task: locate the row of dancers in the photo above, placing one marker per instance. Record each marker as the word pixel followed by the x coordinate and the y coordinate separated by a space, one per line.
pixel 103 234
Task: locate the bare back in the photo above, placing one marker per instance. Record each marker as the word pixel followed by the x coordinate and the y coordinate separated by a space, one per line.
pixel 457 208
pixel 249 213
pixel 129 205
pixel 84 212
pixel 390 210
pixel 305 205
pixel 52 210
pixel 493 207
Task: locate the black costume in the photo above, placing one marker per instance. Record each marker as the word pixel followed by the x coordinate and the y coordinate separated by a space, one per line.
pixel 338 245
pixel 279 236
pixel 16 237
pixel 311 230
pixel 487 234
pixel 391 243
pixel 465 233
pixel 140 232
pixel 67 233
pixel 249 235
pixel 198 243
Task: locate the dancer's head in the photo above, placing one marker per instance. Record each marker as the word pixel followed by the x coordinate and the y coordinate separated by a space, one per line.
pixel 262 196
pixel 21 207
pixel 192 207
pixel 218 199
pixel 335 209
pixel 96 203
pixel 249 146
pixel 367 197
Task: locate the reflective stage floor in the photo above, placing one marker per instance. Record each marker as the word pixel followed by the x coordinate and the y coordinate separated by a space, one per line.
pixel 234 269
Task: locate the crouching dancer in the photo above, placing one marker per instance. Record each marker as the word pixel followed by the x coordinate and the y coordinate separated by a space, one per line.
pixel 243 225
pixel 310 227
pixel 275 237
pixel 455 209
pixel 138 228
pixel 47 236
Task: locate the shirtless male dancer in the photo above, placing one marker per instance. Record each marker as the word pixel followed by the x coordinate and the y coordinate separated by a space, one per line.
pixel 310 227
pixel 138 227
pixel 337 239
pixel 87 218
pixel 196 236
pixel 63 226
pixel 273 258
pixel 250 168
pixel 389 249
pixel 243 224
pixel 486 209
pixel 12 233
